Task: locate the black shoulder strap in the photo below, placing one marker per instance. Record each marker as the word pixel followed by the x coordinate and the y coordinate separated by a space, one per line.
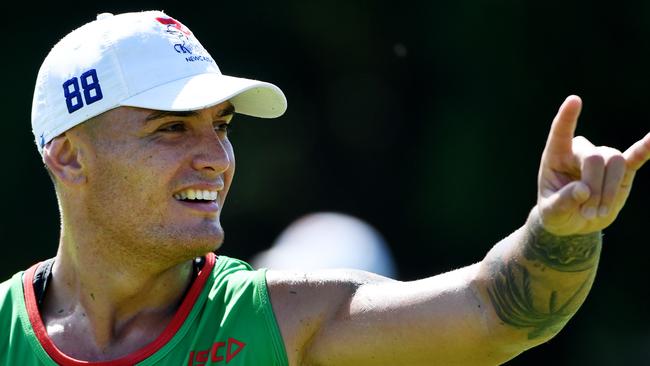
pixel 42 275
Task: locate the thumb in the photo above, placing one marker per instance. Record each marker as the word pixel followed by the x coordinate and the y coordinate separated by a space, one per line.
pixel 567 199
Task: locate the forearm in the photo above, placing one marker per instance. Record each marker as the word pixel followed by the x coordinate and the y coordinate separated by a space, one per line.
pixel 535 281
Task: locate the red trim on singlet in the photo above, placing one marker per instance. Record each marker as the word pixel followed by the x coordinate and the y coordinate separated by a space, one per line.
pixel 133 358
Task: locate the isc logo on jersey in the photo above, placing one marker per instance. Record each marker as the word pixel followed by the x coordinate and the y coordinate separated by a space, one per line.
pixel 213 354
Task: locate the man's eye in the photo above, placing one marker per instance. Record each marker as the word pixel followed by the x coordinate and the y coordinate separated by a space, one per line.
pixel 173 127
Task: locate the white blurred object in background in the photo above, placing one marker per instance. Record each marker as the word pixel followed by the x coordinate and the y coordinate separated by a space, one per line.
pixel 328 240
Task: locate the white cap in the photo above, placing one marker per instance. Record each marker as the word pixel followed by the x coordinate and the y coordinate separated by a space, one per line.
pixel 143 59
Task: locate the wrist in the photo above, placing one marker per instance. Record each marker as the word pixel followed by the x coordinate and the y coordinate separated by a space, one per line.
pixel 566 253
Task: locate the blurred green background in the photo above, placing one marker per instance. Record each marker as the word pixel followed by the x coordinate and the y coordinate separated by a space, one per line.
pixel 426 119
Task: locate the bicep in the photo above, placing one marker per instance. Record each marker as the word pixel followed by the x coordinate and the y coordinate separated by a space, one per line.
pixel 361 320
pixel 438 320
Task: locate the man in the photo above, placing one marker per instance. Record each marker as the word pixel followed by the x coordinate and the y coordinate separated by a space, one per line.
pixel 131 115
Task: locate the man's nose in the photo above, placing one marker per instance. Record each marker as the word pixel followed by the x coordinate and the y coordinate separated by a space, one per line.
pixel 211 154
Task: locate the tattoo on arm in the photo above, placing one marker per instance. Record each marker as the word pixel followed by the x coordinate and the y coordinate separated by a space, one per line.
pixel 516 296
pixel 574 253
pixel 512 298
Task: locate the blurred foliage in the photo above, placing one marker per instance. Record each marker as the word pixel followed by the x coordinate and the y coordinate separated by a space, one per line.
pixel 427 119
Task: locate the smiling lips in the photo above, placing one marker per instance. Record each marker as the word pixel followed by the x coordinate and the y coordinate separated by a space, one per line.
pixel 205 201
pixel 196 195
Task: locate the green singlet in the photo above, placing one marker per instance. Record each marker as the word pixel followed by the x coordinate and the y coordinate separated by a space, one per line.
pixel 225 318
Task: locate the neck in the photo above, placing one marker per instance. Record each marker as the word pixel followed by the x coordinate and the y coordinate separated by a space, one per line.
pixel 109 302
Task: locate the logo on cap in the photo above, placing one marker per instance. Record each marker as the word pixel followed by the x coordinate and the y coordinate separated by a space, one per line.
pixel 185 43
pixel 175 24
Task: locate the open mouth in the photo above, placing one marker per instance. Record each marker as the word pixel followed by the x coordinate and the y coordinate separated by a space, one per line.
pixel 196 195
pixel 204 199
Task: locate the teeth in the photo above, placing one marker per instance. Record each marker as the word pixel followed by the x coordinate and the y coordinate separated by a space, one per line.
pixel 192 194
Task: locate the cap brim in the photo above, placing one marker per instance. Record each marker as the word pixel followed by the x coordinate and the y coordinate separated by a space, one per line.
pixel 250 97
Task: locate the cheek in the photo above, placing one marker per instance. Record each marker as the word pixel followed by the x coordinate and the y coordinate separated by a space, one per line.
pixel 116 184
pixel 127 178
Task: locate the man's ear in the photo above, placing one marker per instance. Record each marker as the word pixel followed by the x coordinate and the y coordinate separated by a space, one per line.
pixel 62 158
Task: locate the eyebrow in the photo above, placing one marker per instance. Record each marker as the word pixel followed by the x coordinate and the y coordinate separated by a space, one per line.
pixel 227 111
pixel 162 114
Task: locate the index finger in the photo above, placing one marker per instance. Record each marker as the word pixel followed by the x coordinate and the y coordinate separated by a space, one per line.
pixel 637 154
pixel 563 127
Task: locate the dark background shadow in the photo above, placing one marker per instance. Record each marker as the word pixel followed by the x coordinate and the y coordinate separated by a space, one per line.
pixel 426 119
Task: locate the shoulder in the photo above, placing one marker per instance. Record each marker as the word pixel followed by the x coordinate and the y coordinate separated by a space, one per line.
pixel 304 302
pixel 229 270
pixel 297 296
pixel 234 280
pixel 228 265
pixel 332 281
pixel 238 298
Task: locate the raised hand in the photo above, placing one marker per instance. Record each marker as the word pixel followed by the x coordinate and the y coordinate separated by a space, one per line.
pixel 582 187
